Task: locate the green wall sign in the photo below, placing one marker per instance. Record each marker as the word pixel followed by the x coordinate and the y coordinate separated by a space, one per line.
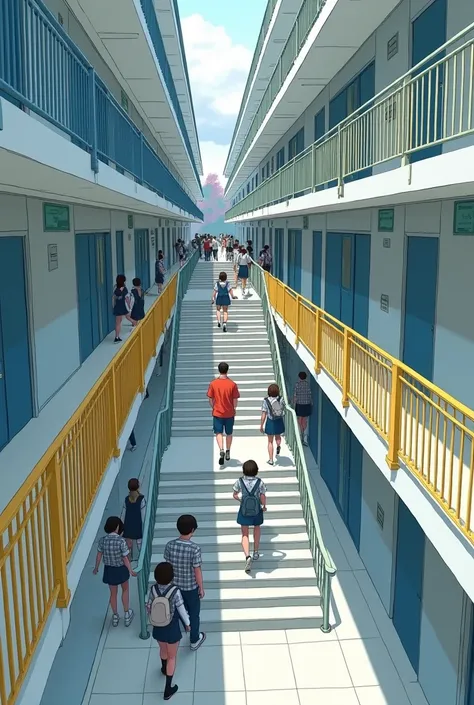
pixel 464 218
pixel 386 220
pixel 56 217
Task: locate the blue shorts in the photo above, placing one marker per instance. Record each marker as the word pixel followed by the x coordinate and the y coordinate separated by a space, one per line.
pixel 221 425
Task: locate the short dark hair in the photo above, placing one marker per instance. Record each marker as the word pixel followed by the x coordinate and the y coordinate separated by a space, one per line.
pixel 137 281
pixel 113 524
pixel 250 468
pixel 223 277
pixel 164 573
pixel 133 484
pixel 120 280
pixel 186 524
pixel 223 368
pixel 302 375
pixel 273 390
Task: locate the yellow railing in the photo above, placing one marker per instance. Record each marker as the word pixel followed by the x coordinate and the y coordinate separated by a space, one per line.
pixel 41 524
pixel 425 428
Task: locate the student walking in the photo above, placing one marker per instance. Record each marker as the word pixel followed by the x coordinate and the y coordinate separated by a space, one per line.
pixel 266 259
pixel 303 404
pixel 229 249
pixel 181 253
pixel 114 551
pixel 273 420
pixel 235 259
pixel 186 559
pixel 121 305
pixel 221 296
pixel 160 271
pixel 138 301
pixel 166 609
pixel 207 249
pixel 250 492
pixel 244 261
pixel 133 515
pixel 223 395
pixel 215 249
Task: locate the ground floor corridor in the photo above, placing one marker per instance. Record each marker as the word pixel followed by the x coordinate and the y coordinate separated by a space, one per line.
pixel 264 645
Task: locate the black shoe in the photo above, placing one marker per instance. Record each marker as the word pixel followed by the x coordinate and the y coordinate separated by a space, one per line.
pixel 218 325
pixel 170 692
pixel 225 328
pixel 227 455
pixel 278 450
pixel 221 458
pixel 118 340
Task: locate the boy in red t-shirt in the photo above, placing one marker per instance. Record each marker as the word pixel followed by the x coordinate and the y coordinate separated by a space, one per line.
pixel 223 395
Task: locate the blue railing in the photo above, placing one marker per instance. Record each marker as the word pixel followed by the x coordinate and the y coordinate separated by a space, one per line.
pixel 43 70
pixel 149 12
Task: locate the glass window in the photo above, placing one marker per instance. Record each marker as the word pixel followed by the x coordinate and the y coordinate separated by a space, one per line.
pixel 273 164
pixel 346 278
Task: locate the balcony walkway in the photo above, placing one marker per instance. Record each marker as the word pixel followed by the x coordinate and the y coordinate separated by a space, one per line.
pixel 28 446
pixel 360 662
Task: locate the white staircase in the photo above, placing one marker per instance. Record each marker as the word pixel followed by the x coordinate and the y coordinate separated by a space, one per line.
pixel 281 591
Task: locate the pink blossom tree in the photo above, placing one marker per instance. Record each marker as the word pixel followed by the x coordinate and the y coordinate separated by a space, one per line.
pixel 214 207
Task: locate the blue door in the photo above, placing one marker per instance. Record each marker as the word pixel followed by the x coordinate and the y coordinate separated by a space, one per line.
pixel 16 405
pixel 313 431
pixel 470 678
pixel 120 252
pixel 348 279
pixel 360 320
pixel 317 267
pixel 279 253
pixel 84 296
pixel 409 583
pixel 420 304
pixel 142 257
pixel 330 440
pixel 332 301
pixel 294 260
pixel 350 482
pixel 428 33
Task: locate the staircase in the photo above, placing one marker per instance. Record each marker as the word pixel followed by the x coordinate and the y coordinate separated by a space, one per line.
pixel 281 592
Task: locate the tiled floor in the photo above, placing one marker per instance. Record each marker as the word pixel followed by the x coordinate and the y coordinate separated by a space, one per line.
pixel 360 662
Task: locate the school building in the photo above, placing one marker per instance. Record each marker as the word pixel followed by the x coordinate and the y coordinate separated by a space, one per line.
pixel 353 158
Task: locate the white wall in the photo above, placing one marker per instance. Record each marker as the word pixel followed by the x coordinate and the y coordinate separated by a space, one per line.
pixel 441 630
pixel 376 543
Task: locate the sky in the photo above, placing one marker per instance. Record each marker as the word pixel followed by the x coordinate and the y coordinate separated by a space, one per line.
pixel 219 38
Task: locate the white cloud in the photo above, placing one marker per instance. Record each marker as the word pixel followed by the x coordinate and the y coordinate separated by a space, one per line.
pixel 213 159
pixel 218 68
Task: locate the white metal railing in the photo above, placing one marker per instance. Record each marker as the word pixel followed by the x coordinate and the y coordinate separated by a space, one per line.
pixel 430 105
pixel 307 16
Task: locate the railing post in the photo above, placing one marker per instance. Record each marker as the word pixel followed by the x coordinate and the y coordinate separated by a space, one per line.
pixel 58 532
pixel 317 342
pixel 313 168
pixel 298 306
pixel 93 121
pixel 116 453
pixel 340 176
pixel 395 420
pixel 407 122
pixel 346 369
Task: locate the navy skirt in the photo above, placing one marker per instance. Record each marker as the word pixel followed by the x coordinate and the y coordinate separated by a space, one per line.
pixel 169 634
pixel 223 300
pixel 160 278
pixel 243 271
pixel 303 410
pixel 120 309
pixel 115 575
pixel 250 521
pixel 275 427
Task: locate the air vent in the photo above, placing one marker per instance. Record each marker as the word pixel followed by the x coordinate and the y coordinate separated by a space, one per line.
pixel 384 303
pixel 392 47
pixel 380 516
pixel 60 19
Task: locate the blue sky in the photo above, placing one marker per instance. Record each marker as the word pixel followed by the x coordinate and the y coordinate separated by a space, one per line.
pixel 220 38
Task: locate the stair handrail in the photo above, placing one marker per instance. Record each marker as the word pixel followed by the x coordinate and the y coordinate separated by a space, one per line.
pixel 161 441
pixel 323 565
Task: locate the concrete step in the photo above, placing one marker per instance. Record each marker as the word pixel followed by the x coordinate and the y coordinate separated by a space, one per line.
pixel 268 561
pixel 209 513
pixel 244 383
pixel 260 579
pixel 223 499
pixel 202 432
pixel 232 542
pixel 204 471
pixel 260 618
pixel 214 487
pixel 228 526
pixel 200 396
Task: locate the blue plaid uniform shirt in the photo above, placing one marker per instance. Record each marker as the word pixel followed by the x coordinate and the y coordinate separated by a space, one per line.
pixel 184 556
pixel 113 548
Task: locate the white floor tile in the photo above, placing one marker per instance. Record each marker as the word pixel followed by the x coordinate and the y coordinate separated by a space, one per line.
pixel 216 639
pixel 178 699
pixel 115 699
pixel 354 619
pixel 375 695
pixel 268 668
pixel 415 694
pixel 273 697
pixel 122 637
pixel 232 698
pixel 219 669
pixel 369 663
pixel 113 677
pixel 183 677
pixel 270 636
pixel 328 696
pixel 309 636
pixel 320 665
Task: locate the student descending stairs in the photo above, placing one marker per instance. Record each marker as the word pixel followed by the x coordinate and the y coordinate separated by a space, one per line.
pixel 281 591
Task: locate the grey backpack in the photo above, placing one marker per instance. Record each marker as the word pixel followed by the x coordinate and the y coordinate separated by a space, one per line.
pixel 276 407
pixel 250 506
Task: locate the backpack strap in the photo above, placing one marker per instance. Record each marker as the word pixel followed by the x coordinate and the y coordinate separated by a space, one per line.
pixel 243 486
pixel 170 592
pixel 255 487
